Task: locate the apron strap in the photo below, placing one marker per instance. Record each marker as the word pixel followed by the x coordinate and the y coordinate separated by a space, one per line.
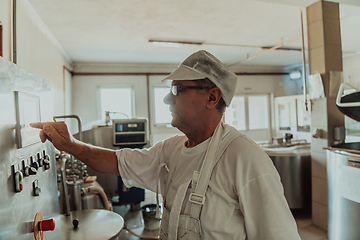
pixel 200 179
pixel 157 215
pixel 174 155
pixel 197 198
pixel 176 209
pixel 212 157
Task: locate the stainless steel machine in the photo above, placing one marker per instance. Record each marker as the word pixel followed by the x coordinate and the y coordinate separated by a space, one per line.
pixel 122 133
pixel 29 206
pixel 343 177
pixel 292 160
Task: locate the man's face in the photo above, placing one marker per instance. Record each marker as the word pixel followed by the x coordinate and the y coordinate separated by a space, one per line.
pixel 187 106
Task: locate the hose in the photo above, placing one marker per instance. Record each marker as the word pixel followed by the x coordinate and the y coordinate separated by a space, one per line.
pixel 103 197
pixel 140 236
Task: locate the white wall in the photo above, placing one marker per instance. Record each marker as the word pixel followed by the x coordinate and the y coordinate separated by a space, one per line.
pixel 279 85
pixel 85 96
pixel 37 50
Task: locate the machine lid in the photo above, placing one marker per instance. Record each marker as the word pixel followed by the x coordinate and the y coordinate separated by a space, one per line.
pixel 354 111
pixel 349 104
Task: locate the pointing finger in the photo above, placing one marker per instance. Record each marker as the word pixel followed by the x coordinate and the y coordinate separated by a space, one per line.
pixel 39 125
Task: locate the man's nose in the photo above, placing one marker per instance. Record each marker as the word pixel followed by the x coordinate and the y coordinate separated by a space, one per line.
pixel 168 99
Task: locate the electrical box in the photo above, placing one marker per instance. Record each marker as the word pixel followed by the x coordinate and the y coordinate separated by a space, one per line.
pixel 129 132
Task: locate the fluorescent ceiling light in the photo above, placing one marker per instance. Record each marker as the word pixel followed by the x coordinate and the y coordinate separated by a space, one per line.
pixel 161 43
pixel 295 75
pixel 283 49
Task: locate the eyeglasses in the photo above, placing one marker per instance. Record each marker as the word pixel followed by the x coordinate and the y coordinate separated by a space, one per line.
pixel 176 89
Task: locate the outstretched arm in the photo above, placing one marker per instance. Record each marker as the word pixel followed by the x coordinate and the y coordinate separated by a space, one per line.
pixel 100 159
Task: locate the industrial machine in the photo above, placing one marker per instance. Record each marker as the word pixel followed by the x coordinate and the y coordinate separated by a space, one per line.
pixel 28 173
pixel 122 133
pixel 292 160
pixel 129 132
pixel 343 176
pixel 29 205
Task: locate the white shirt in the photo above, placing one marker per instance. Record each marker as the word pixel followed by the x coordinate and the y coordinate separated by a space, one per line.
pixel 244 200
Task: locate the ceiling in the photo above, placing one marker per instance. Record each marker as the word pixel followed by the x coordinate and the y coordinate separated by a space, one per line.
pixel 118 31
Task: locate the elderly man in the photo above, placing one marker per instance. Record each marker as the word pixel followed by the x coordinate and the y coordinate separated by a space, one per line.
pixel 216 183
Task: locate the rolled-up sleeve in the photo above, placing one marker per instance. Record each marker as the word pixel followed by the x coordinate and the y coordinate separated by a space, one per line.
pixel 139 167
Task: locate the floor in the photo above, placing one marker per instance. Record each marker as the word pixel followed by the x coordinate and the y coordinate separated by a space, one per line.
pixel 134 221
pixel 306 229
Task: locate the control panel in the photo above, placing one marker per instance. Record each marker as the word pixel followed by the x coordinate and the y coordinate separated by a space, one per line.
pixel 31 166
pixel 31 188
pixel 27 173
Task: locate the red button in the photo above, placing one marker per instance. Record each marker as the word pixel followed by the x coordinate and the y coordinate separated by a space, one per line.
pixel 47 225
pixel 21 186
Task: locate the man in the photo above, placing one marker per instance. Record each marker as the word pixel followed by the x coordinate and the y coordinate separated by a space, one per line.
pixel 216 183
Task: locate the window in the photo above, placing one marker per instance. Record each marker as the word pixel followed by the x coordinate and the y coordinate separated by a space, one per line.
pixel 116 99
pixel 258 112
pixel 235 113
pixel 284 116
pixel 250 115
pixel 162 113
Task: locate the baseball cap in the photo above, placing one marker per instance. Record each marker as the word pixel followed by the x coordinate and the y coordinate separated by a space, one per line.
pixel 203 64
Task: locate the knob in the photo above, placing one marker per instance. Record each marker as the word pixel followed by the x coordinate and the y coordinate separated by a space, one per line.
pixel 76 223
pixel 41 162
pixel 32 171
pixel 35 165
pixel 37 191
pixel 41 225
pixel 47 162
pixel 36 188
pixel 46 225
pixel 27 171
pixel 18 181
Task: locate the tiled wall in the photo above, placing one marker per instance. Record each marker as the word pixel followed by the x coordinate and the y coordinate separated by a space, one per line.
pixel 325 55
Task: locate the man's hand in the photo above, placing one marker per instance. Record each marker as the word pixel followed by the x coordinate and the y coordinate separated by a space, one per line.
pixel 57 133
pixel 100 159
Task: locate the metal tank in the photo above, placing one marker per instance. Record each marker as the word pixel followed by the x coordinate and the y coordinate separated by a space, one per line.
pixel 293 162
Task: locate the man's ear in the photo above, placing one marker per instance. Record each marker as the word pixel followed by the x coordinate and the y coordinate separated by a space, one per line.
pixel 214 97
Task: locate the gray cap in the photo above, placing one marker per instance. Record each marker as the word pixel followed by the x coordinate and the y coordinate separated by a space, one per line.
pixel 203 64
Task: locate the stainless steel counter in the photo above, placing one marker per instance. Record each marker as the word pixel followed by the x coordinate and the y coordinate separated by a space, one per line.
pixel 93 224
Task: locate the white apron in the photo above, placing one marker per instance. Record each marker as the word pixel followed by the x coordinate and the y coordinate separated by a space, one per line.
pixel 178 226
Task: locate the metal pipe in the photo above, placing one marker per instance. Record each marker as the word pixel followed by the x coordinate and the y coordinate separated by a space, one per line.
pixel 161 74
pixel 148 100
pixel 263 52
pixel 14 33
pixel 304 63
pixel 62 160
pixel 79 123
pixel 1 40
